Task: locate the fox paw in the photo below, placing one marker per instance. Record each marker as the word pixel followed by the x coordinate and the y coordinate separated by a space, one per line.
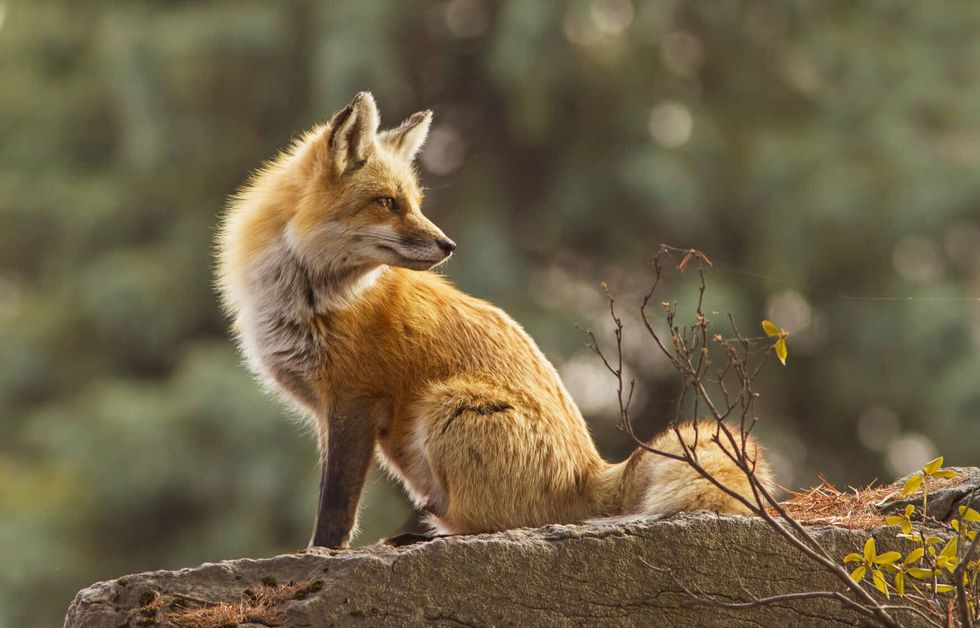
pixel 406 538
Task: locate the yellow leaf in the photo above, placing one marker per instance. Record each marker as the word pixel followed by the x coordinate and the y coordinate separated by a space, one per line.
pixel 944 588
pixel 858 574
pixel 895 520
pixel 770 328
pixel 852 558
pixel 969 514
pixel 879 581
pixel 887 558
pixel 912 485
pixel 914 556
pixel 933 465
pixel 945 473
pixel 950 549
pixel 900 583
pixel 781 351
pixel 919 573
pixel 949 564
pixel 901 520
pixel 869 550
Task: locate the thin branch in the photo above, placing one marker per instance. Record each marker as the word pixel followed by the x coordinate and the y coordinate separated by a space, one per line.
pixel 700 598
pixel 959 575
pixel 688 352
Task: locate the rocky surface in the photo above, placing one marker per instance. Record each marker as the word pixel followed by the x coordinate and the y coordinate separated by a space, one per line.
pixel 612 572
pixel 607 573
pixel 943 503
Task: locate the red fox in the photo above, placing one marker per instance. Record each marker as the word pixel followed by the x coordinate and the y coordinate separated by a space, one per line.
pixel 322 263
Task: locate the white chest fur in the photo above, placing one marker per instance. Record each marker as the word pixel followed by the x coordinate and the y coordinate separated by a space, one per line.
pixel 278 303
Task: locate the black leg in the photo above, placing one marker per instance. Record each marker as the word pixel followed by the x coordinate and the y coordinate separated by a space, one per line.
pixel 350 447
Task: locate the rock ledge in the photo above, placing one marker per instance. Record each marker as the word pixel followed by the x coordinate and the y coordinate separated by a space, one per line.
pixel 600 574
pixel 611 572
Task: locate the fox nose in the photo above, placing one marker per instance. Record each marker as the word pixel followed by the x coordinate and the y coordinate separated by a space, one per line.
pixel 447 245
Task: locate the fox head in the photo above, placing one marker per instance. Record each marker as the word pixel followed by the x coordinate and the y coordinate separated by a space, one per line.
pixel 360 199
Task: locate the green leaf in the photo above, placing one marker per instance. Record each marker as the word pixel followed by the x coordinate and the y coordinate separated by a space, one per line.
pixel 912 485
pixel 870 550
pixel 858 574
pixel 770 328
pixel 914 556
pixel 887 558
pixel 933 465
pixel 878 579
pixel 852 558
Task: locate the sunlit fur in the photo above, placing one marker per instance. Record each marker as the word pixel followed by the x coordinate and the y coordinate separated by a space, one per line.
pixel 332 308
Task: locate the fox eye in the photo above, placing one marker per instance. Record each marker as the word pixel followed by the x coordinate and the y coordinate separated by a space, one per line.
pixel 388 203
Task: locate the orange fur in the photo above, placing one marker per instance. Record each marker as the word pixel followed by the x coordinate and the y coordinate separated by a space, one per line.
pixel 464 408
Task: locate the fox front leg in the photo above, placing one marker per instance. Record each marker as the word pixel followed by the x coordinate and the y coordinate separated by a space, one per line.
pixel 344 466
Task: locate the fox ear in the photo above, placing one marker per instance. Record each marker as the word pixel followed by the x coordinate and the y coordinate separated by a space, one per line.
pixel 353 131
pixel 406 139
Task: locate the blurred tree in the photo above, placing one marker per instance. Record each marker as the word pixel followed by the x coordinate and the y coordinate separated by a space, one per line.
pixel 823 155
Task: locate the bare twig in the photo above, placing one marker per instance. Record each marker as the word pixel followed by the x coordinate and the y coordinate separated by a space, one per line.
pixel 700 598
pixel 959 574
pixel 688 350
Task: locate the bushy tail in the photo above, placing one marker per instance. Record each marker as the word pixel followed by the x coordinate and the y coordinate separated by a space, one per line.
pixel 650 484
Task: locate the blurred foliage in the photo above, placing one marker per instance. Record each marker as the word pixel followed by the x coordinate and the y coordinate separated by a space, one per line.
pixel 823 154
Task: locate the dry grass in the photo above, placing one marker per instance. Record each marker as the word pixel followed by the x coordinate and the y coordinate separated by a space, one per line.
pixel 260 605
pixel 854 508
pixel 825 504
pixel 151 603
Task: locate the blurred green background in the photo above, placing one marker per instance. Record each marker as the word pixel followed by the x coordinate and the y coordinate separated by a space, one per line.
pixel 822 153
